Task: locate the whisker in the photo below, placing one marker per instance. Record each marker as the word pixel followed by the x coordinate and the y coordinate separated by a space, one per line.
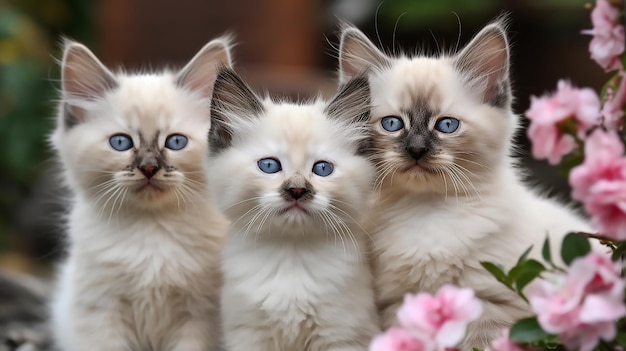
pixel 243 201
pixel 351 218
pixel 103 208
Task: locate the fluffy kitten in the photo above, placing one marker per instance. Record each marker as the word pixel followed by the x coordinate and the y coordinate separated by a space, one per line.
pixel 292 179
pixel 144 234
pixel 450 194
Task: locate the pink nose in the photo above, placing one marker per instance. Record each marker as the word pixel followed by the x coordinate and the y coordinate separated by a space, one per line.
pixel 148 171
pixel 296 193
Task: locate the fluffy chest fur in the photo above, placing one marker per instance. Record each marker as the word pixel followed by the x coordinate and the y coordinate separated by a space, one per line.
pixel 433 241
pixel 292 284
pixel 151 273
pixel 150 251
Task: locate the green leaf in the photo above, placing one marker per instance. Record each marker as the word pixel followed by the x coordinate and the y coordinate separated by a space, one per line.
pixel 527 330
pixel 532 269
pixel 497 271
pixel 545 250
pixel 621 338
pixel 524 255
pixel 612 83
pixel 574 246
pixel 619 251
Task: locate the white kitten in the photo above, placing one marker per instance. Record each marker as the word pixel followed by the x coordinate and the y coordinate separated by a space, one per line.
pixel 144 235
pixel 293 181
pixel 450 193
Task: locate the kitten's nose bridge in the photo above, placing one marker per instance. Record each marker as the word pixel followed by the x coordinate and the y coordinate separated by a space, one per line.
pixel 417 147
pixel 296 180
pixel 148 163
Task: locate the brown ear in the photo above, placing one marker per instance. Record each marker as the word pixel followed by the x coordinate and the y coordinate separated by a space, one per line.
pixel 232 100
pixel 199 74
pixel 83 78
pixel 484 63
pixel 352 104
pixel 357 54
pixel 352 101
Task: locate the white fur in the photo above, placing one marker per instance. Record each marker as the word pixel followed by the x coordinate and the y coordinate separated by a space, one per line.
pixel 431 229
pixel 294 281
pixel 143 265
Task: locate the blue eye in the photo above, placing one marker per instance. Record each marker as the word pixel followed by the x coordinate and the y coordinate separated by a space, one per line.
pixel 121 142
pixel 176 142
pixel 269 165
pixel 447 125
pixel 392 124
pixel 323 168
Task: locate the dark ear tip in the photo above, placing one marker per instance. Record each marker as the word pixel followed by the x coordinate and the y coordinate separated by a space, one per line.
pixel 225 75
pixel 224 71
pixel 360 81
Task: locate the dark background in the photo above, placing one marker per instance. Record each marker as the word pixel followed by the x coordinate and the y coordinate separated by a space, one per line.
pixel 285 47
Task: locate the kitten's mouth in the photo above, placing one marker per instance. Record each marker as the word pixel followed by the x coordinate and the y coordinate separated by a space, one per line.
pixel 417 167
pixel 294 206
pixel 148 185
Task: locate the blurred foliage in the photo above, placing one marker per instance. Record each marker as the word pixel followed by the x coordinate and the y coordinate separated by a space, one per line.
pixel 407 15
pixel 30 31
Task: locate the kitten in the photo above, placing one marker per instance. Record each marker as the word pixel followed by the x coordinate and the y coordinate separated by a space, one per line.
pixel 450 191
pixel 292 179
pixel 23 317
pixel 144 234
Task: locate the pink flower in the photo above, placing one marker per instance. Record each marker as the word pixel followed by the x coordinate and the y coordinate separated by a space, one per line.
pixel 608 36
pixel 603 288
pixel 548 143
pixel 583 305
pixel 600 183
pixel 546 113
pixel 503 343
pixel 584 337
pixel 398 339
pixel 443 317
pixel 607 207
pixel 613 109
pixel 557 305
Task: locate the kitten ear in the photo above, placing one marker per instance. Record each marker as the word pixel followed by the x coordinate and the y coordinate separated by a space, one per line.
pixel 199 74
pixel 485 64
pixel 352 104
pixel 352 101
pixel 357 53
pixel 232 100
pixel 83 78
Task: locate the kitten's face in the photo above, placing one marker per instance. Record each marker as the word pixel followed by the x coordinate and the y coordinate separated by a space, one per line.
pixel 440 124
pixel 136 140
pixel 281 167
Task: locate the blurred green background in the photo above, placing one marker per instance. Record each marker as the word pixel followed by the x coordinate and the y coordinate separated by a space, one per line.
pixel 29 34
pixel 285 46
